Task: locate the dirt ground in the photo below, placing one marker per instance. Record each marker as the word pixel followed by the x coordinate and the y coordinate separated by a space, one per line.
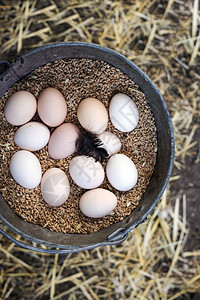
pixel 161 258
pixel 188 184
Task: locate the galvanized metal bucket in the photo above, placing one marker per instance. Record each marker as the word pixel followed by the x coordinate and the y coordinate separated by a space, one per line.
pixel 116 233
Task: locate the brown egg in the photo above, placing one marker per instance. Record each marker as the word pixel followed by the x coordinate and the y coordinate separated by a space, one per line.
pixel 52 107
pixel 62 142
pixel 92 115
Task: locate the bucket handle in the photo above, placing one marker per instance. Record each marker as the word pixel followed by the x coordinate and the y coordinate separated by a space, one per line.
pixel 60 250
pixel 4 67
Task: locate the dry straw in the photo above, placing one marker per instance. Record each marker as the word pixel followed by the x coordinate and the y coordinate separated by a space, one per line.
pixel 151 264
pixel 163 39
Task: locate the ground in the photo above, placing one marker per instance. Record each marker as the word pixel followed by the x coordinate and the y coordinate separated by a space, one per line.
pixel 189 184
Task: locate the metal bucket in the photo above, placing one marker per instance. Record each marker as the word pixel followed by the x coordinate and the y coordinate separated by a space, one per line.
pixel 116 233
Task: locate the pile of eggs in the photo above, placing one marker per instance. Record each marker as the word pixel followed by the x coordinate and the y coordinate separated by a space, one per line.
pixel 86 172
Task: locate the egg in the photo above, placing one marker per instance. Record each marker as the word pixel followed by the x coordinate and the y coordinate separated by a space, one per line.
pixel 92 115
pixel 110 142
pixel 97 203
pixel 121 172
pixel 123 113
pixel 86 172
pixel 62 142
pixel 32 136
pixel 20 108
pixel 25 169
pixel 55 187
pixel 52 107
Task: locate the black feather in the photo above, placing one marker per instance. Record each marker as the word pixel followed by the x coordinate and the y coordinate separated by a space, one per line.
pixel 90 145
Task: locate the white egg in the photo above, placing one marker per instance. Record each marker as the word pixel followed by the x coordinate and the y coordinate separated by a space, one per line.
pixel 86 172
pixel 20 108
pixel 97 203
pixel 32 136
pixel 123 113
pixel 121 172
pixel 25 169
pixel 55 187
pixel 110 142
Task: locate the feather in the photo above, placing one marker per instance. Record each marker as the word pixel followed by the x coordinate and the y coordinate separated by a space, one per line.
pixel 90 145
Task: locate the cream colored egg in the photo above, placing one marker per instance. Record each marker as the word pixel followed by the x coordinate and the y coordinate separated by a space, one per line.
pixel 55 187
pixel 97 203
pixel 62 142
pixel 25 169
pixel 92 115
pixel 86 172
pixel 123 112
pixel 52 107
pixel 32 136
pixel 121 172
pixel 20 108
pixel 110 142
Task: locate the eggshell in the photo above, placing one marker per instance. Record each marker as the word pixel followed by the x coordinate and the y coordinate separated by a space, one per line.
pixel 25 169
pixel 97 203
pixel 121 172
pixel 62 142
pixel 123 113
pixel 92 115
pixel 110 142
pixel 86 172
pixel 52 107
pixel 32 136
pixel 55 187
pixel 20 108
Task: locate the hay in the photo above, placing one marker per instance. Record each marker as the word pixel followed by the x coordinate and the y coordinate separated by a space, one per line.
pixel 151 264
pixel 162 37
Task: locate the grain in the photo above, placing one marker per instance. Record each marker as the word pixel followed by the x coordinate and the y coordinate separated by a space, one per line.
pixel 77 79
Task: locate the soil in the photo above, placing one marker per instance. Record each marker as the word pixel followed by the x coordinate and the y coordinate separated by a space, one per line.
pixel 189 184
